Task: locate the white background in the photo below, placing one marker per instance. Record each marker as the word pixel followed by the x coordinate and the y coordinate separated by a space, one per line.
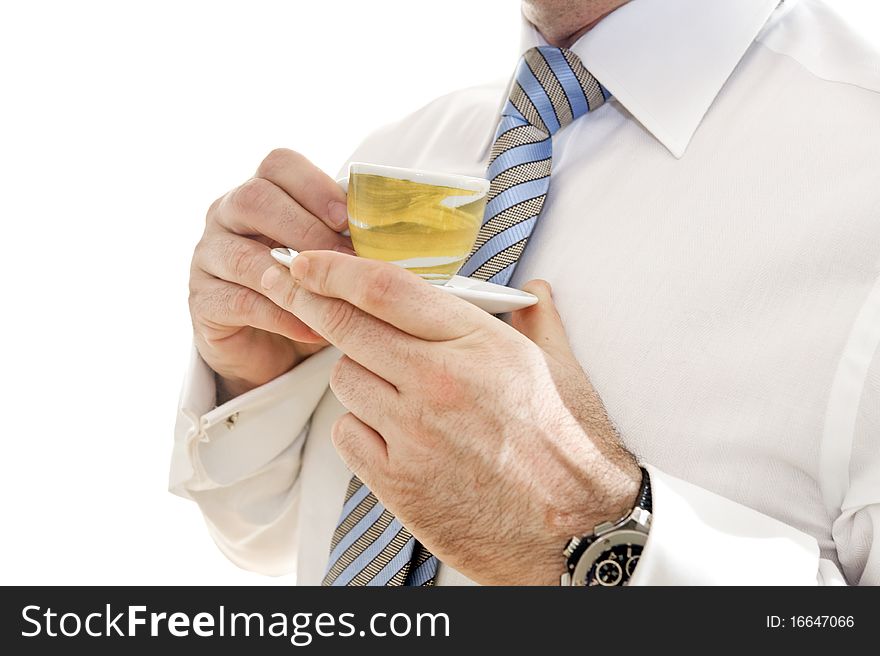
pixel 120 122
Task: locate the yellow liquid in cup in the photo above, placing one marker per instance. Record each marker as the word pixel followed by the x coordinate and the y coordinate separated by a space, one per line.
pixel 428 229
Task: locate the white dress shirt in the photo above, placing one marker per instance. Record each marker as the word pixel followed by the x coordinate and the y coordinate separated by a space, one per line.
pixel 712 236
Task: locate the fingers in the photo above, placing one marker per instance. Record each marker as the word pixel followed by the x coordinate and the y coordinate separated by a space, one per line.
pixel 234 258
pixel 259 207
pixel 223 304
pixel 361 448
pixel 242 261
pixel 367 396
pixel 310 186
pixel 378 346
pixel 389 293
pixel 541 322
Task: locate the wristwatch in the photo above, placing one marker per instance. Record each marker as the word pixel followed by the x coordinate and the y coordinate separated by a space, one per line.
pixel 609 555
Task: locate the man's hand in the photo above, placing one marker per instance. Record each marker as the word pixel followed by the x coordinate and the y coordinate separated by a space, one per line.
pixel 489 444
pixel 245 338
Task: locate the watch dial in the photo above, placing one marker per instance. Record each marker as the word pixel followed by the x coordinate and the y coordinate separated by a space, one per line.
pixel 615 566
pixel 631 565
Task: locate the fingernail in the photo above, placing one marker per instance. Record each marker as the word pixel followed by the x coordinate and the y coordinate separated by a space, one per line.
pixel 300 267
pixel 338 214
pixel 271 276
pixel 344 249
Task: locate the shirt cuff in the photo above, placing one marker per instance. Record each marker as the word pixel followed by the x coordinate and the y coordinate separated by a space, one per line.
pixel 216 446
pixel 700 538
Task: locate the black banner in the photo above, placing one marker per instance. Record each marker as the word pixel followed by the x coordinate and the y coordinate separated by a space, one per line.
pixel 432 620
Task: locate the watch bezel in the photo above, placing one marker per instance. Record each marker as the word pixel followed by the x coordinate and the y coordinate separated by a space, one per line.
pixel 622 536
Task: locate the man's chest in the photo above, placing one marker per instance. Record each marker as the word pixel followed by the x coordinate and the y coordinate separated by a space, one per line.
pixel 709 298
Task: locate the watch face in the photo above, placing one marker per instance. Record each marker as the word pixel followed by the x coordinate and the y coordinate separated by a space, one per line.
pixel 610 560
pixel 614 566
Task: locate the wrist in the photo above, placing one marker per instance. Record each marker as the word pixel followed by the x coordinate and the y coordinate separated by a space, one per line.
pixel 609 554
pixel 624 489
pixel 606 492
pixel 230 388
pixel 592 500
pixel 239 371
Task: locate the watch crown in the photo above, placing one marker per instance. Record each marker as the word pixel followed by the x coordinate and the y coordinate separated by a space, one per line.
pixel 571 546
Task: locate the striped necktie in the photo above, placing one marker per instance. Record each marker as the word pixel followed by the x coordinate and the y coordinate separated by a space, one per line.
pixel 551 89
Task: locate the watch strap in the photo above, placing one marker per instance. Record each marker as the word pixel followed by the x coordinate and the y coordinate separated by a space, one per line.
pixel 643 500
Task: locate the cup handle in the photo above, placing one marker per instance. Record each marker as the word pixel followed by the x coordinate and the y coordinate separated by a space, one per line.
pixel 343 183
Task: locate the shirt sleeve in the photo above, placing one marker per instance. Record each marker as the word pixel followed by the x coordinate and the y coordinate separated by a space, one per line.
pixel 240 461
pixel 856 530
pixel 700 538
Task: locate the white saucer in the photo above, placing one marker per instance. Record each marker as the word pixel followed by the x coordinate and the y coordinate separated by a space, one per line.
pixel 488 296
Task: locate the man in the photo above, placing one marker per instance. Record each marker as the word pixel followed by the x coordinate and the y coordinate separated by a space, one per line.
pixel 712 237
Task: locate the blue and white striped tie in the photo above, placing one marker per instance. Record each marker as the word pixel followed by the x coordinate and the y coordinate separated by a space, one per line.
pixel 551 89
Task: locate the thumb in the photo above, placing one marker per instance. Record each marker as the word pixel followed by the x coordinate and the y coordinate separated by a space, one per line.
pixel 541 322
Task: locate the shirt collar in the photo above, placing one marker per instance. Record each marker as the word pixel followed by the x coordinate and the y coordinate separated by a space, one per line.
pixel 666 60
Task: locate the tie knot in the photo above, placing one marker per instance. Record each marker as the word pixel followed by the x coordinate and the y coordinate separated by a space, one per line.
pixel 552 88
